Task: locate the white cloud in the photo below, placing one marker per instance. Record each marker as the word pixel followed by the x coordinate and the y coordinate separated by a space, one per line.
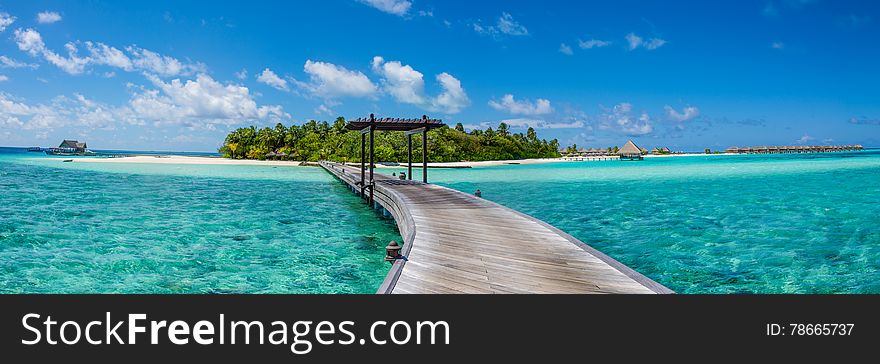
pixel 453 98
pixel 102 54
pixel 270 78
pixel 777 45
pixel 524 123
pixel 6 20
pixel 687 113
pixel 620 118
pixel 153 62
pixel 505 25
pixel 30 41
pixel 565 49
pixel 18 114
pixel 396 7
pixel 634 41
pixel 241 75
pixel 48 17
pixel 329 81
pixel 406 85
pixel 6 62
pixel 804 139
pixel 324 110
pixel 543 124
pixel 202 103
pixel 593 43
pixel 524 107
pixel 402 82
pixel 4 78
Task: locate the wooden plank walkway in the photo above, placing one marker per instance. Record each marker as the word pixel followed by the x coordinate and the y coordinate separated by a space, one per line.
pixel 458 243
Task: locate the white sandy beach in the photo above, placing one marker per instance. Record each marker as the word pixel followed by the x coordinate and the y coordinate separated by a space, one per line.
pixel 176 159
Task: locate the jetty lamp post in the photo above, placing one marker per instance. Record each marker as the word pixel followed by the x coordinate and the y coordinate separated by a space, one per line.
pixel 392 252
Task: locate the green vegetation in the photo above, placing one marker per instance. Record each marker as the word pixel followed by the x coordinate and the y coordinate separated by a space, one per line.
pixel 315 141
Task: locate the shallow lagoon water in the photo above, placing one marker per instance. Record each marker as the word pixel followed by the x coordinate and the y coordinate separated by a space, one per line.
pixel 720 224
pixel 155 228
pixel 801 223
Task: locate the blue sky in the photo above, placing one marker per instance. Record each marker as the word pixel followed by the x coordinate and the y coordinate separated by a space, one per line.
pixel 175 75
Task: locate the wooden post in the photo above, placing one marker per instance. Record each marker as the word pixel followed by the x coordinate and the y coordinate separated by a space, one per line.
pixel 363 159
pixel 409 159
pixel 425 155
pixel 372 131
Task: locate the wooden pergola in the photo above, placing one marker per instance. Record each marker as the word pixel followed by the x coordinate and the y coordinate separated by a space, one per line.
pixel 410 127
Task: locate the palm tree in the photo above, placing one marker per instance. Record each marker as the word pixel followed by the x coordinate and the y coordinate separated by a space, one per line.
pixel 232 148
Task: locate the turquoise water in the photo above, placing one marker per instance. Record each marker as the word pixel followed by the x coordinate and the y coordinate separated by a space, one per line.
pixel 150 228
pixel 717 224
pixel 804 223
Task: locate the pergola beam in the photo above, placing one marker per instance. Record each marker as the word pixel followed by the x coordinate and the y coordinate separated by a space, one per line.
pixel 409 127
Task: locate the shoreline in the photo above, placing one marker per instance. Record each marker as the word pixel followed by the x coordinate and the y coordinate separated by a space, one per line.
pixel 179 159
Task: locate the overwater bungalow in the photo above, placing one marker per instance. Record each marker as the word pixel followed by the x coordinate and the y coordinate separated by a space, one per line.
pixel 793 149
pixel 70 147
pixel 630 151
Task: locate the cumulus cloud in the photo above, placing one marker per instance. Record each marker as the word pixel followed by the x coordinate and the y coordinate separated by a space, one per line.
pixel 330 81
pixel 270 78
pixel 153 62
pixel 407 85
pixel 202 103
pixel 634 41
pixel 6 20
pixel 137 59
pixel 48 17
pixel 523 107
pixel 402 82
pixel 542 124
pixel 395 7
pixel 686 114
pixel 323 109
pixel 4 78
pixel 102 54
pixel 17 114
pixel 241 75
pixel 620 118
pixel 30 41
pixel 452 99
pixel 505 25
pixel 593 43
pixel 523 123
pixel 565 49
pixel 6 62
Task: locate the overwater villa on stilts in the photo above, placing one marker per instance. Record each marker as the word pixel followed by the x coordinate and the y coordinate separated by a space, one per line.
pixel 70 148
pixel 630 152
pixel 794 149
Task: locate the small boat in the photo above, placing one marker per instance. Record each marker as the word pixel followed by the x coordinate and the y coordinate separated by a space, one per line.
pixel 35 149
pixel 68 160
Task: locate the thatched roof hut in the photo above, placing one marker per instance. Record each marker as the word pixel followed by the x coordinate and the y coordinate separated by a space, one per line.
pixel 630 151
pixel 74 145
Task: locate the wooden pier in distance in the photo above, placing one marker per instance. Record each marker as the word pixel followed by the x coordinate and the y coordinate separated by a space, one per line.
pixel 459 243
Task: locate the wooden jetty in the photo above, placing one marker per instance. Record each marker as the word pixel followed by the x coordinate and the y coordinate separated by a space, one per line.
pixel 454 242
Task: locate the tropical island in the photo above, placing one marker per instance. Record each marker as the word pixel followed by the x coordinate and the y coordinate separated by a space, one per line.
pixel 314 141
